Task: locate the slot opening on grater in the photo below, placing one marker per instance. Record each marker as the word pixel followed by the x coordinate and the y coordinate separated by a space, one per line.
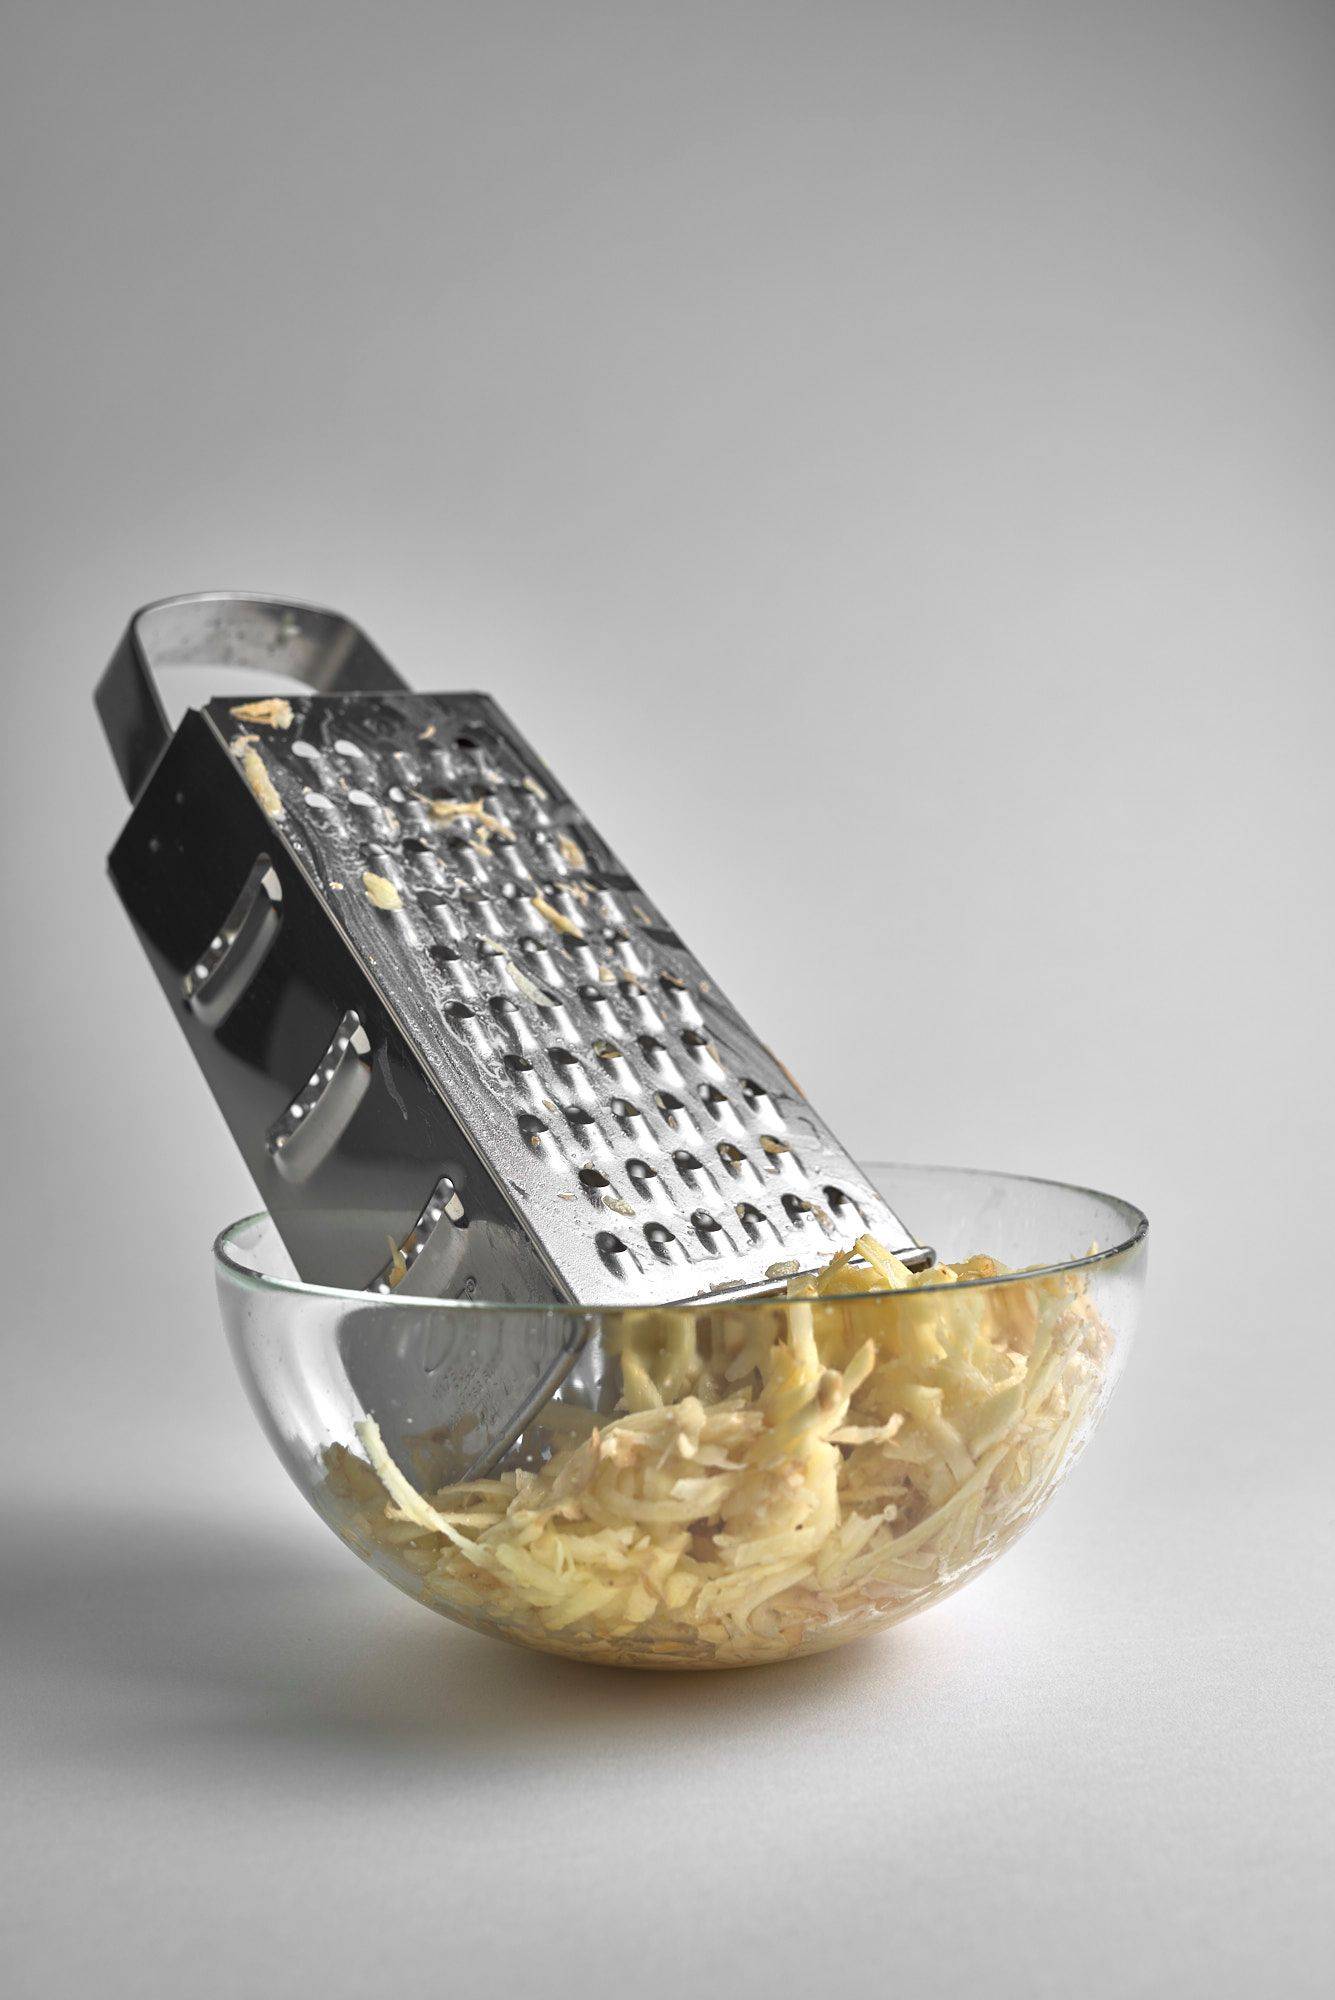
pixel 229 962
pixel 303 1137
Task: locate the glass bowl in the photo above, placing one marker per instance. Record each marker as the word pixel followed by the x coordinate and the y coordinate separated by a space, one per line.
pixel 711 1485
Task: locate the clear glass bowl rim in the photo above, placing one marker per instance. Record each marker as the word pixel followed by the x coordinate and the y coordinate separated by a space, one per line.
pixel 227 1257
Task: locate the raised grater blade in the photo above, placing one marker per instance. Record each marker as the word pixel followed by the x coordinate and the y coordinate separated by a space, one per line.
pixel 462 1051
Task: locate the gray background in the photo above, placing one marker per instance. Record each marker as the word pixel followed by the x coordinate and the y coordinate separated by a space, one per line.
pixel 883 454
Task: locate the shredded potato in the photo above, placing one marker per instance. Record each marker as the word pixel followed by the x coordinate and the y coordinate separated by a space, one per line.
pixel 381 891
pixel 470 809
pixel 257 776
pixel 555 918
pixel 274 713
pixel 776 1478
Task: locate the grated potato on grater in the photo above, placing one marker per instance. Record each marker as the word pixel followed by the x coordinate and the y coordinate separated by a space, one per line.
pixel 257 776
pixel 777 1478
pixel 272 713
pixel 381 891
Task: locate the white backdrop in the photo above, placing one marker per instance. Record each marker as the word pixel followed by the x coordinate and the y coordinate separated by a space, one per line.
pixel 882 454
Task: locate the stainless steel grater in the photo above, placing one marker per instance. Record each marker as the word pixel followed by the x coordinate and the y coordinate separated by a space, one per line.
pixel 462 1051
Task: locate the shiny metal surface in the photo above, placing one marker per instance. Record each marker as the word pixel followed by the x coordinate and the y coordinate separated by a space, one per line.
pixel 462 1050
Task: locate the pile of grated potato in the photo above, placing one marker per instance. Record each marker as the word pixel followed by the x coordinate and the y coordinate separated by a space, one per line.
pixel 785 1475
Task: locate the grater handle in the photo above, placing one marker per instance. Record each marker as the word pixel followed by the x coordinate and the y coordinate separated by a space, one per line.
pixel 225 628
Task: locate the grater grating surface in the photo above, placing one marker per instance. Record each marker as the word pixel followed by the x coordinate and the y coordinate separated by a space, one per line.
pixel 463 1050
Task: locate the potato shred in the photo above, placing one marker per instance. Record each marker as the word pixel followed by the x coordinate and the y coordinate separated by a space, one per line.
pixel 779 1476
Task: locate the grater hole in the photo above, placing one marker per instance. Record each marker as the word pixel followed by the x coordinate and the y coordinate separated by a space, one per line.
pixel 464 1020
pixel 623 949
pixel 450 1203
pixel 797 1209
pixel 681 998
pixel 517 1066
pixel 701 1050
pixel 671 1107
pixel 570 1071
pixel 653 1050
pixel 840 1204
pixel 608 1052
pixel 592 1181
pixel 437 905
pixel 555 1018
pixel 466 862
pixel 595 999
pixel 715 1101
pixel 612 1250
pixel 541 963
pixel 708 1228
pixel 533 1129
pixel 513 861
pixel 624 1111
pixel 662 1242
pixel 550 859
pixel 635 997
pixel 642 1178
pixel 753 1220
pixel 757 1096
pixel 686 1164
pixel 733 1158
pixel 779 1155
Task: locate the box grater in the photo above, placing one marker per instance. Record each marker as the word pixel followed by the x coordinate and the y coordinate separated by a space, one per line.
pixel 461 1049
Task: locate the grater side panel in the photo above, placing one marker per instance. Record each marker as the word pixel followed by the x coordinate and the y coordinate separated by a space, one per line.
pixel 270 1011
